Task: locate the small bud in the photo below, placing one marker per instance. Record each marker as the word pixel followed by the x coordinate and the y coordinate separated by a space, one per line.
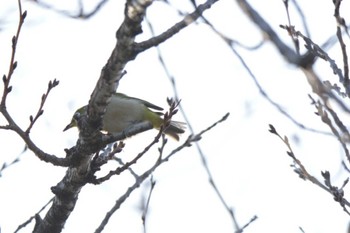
pixel 326 175
pixel 55 82
pixel 272 129
pixel 13 41
pixel 24 15
pixel 14 65
pixel 169 101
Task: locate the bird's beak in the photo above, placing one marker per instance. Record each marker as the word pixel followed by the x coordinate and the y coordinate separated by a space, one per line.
pixel 70 125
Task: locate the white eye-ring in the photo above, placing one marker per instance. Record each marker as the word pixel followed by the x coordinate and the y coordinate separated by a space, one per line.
pixel 77 116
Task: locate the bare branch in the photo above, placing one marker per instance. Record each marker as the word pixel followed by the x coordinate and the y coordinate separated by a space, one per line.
pixel 146 174
pixel 7 89
pixel 240 230
pixel 127 165
pixel 81 14
pixel 13 63
pixel 231 43
pixel 90 139
pixel 302 17
pixel 127 49
pixel 33 217
pixel 16 160
pixel 341 22
pixel 145 210
pixel 286 52
pixel 54 160
pixel 121 199
pixel 342 136
pixel 211 179
pixel 294 38
pixel 299 168
pixel 51 85
pixel 142 46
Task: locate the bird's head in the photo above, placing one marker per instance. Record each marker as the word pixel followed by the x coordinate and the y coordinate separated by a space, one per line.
pixel 75 118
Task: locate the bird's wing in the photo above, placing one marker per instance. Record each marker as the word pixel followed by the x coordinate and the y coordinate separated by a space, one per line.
pixel 146 103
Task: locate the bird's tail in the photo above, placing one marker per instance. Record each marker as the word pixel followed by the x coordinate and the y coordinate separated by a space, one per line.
pixel 174 129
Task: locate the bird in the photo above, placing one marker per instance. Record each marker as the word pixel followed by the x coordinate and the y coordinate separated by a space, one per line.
pixel 124 111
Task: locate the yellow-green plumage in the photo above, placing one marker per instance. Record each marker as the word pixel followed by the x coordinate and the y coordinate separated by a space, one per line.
pixel 124 111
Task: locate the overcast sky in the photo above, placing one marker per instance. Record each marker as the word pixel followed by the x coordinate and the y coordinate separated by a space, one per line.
pixel 250 165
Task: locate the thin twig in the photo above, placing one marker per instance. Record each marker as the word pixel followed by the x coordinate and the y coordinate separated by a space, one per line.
pixel 14 161
pixel 127 165
pixel 231 43
pixel 33 217
pixel 302 17
pixel 341 22
pixel 145 210
pixel 81 14
pixel 200 152
pixel 13 63
pixel 191 139
pixel 294 38
pixel 32 119
pixel 190 18
pixel 7 89
pixel 322 112
pixel 299 168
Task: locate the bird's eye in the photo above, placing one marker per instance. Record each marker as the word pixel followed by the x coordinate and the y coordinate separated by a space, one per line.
pixel 76 116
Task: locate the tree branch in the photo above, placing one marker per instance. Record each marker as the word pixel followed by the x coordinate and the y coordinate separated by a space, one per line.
pixel 154 41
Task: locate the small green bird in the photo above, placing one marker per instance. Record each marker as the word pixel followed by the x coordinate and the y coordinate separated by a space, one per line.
pixel 124 111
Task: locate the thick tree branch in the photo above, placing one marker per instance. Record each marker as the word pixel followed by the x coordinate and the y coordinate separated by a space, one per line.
pixel 122 53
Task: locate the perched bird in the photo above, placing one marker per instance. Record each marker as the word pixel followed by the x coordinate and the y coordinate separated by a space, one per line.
pixel 123 111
